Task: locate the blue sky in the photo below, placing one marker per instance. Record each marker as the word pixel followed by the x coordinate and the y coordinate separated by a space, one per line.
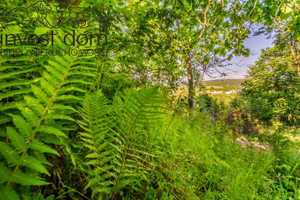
pixel 240 64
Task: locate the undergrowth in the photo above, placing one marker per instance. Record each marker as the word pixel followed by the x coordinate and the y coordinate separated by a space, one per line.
pixel 134 147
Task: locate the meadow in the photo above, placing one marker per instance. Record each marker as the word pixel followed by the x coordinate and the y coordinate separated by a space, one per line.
pixel 223 84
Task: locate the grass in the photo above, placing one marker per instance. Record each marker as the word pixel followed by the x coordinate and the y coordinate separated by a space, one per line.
pixel 226 98
pixel 203 161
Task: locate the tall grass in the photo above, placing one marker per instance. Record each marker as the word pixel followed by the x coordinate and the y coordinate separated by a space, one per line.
pixel 202 161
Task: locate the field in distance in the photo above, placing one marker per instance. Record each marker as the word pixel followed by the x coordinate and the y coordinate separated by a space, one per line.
pixel 223 85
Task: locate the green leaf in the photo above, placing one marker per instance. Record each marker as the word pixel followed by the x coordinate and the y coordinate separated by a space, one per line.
pixel 34 164
pixel 52 130
pixel 41 147
pixel 23 127
pixel 8 193
pixel 16 139
pixel 27 179
pixel 4 173
pixel 9 153
pixel 41 30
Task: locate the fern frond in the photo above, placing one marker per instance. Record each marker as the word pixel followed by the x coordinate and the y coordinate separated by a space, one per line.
pixel 17 73
pixel 97 124
pixel 41 117
pixel 8 193
pixel 111 137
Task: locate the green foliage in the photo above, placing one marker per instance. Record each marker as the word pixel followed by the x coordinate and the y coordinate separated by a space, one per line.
pixel 213 107
pixel 37 109
pixel 204 102
pixel 41 121
pixel 115 137
pixel 94 127
pixel 272 85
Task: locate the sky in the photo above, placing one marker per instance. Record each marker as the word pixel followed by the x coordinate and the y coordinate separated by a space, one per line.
pixel 241 64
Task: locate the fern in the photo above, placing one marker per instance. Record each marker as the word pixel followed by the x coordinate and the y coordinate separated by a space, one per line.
pixel 98 138
pixel 16 75
pixel 43 119
pixel 37 100
pixel 115 137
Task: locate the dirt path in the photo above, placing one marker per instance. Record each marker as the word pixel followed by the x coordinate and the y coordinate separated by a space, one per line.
pixel 245 143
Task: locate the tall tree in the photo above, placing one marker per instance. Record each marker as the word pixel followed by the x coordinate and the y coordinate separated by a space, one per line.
pixel 274 80
pixel 204 28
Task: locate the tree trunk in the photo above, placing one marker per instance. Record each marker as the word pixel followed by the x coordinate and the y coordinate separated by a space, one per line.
pixel 190 82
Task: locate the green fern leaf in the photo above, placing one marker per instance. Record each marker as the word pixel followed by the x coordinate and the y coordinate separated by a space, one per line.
pixel 53 131
pixel 27 179
pixel 39 146
pixel 4 173
pixel 9 153
pixel 8 193
pixel 34 164
pixel 16 140
pixel 23 127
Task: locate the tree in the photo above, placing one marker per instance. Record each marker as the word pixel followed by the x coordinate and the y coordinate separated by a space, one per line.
pixel 207 32
pixel 273 81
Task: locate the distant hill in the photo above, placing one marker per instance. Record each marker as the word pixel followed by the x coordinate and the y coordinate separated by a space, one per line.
pixel 223 84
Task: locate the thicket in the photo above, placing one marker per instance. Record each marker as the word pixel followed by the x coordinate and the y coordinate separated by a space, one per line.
pixel 104 127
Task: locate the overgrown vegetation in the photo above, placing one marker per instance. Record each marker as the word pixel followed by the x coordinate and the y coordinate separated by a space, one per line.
pixel 107 126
